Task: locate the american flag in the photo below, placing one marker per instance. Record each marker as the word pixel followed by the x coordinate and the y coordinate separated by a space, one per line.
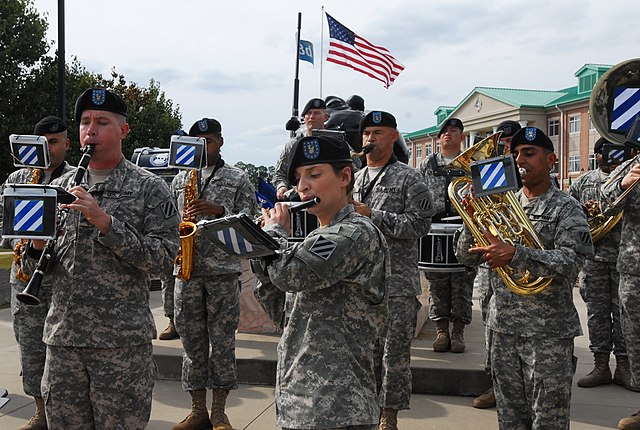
pixel 348 49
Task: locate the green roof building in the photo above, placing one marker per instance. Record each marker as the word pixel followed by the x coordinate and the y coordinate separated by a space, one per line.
pixel 563 114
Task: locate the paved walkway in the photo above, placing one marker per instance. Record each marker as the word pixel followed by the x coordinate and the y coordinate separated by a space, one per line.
pixel 251 406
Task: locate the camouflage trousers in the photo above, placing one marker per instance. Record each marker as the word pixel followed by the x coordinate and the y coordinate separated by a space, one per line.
pixel 532 379
pixel 599 290
pixel 207 313
pixel 167 296
pixel 110 388
pixel 450 295
pixel 630 321
pixel 366 427
pixel 485 291
pixel 393 353
pixel 28 324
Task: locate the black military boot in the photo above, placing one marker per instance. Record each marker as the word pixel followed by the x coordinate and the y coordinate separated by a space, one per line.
pixel 600 375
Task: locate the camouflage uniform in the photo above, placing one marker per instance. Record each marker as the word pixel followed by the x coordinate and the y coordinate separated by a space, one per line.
pixel 451 293
pixel 401 208
pixel 627 265
pixel 325 377
pixel 28 321
pixel 207 307
pixel 280 178
pixel 99 369
pixel 599 278
pixel 532 336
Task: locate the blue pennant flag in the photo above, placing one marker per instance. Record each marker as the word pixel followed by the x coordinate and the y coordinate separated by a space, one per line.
pixel 492 176
pixel 306 51
pixel 268 192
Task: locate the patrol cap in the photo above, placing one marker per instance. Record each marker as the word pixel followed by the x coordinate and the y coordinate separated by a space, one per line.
pixel 99 99
pixel 377 118
pixel 205 126
pixel 451 122
pixel 531 136
pixel 508 128
pixel 49 125
pixel 314 104
pixel 317 150
pixel 597 147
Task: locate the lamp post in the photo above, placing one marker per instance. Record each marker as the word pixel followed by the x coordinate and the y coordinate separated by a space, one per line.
pixel 61 62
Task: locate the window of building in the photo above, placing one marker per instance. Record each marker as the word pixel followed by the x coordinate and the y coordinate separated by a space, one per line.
pixel 441 117
pixel 591 126
pixel 574 123
pixel 592 162
pixel 411 153
pixel 428 150
pixel 586 83
pixel 554 127
pixel 419 152
pixel 438 147
pixel 574 163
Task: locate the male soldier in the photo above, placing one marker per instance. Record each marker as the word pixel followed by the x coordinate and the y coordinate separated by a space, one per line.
pixel 28 321
pixel 208 304
pixel 598 281
pixel 628 262
pixel 532 335
pixel 325 376
pixel 121 228
pixel 397 200
pixel 488 398
pixel 314 115
pixel 450 293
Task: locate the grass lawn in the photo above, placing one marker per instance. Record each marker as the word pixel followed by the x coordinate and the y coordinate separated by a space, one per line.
pixel 5 261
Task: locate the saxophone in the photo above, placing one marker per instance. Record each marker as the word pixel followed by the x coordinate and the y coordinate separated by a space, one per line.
pixel 19 247
pixel 187 229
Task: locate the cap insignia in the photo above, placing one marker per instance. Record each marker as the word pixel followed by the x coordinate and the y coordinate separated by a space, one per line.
pixel 530 134
pixel 311 149
pixel 98 96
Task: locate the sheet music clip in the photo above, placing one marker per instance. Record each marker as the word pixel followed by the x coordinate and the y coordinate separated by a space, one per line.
pixel 29 151
pixel 187 152
pixel 30 210
pixel 239 236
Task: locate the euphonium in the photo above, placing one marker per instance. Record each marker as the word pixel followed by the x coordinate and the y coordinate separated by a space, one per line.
pixel 19 247
pixel 500 213
pixel 188 229
pixel 601 102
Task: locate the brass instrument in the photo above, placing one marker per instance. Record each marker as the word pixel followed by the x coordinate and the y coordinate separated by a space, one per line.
pixel 18 249
pixel 187 229
pixel 501 214
pixel 626 73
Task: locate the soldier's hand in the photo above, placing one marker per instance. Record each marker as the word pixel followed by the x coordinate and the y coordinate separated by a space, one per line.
pixel 631 177
pixel 362 209
pixel 279 214
pixel 86 204
pixel 201 207
pixel 497 254
pixel 280 192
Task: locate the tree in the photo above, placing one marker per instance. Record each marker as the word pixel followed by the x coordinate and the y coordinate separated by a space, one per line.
pixel 254 172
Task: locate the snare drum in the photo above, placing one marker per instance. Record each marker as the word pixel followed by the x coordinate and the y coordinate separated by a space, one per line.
pixel 302 223
pixel 437 249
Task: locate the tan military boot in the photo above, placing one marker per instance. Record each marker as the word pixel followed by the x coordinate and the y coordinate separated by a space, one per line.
pixel 170 332
pixel 600 375
pixel 38 421
pixel 442 336
pixel 219 419
pixel 457 336
pixel 198 419
pixel 622 375
pixel 486 400
pixel 630 423
pixel 388 419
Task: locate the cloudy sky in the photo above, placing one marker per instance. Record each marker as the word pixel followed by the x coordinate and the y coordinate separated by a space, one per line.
pixel 235 60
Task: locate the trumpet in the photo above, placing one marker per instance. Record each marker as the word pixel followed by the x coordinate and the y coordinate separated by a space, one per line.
pixel 501 214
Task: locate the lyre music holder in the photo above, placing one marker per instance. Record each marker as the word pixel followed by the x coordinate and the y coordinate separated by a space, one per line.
pixel 29 151
pixel 495 175
pixel 187 152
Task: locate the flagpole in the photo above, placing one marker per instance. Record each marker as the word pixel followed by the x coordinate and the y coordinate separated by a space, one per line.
pixel 293 123
pixel 321 46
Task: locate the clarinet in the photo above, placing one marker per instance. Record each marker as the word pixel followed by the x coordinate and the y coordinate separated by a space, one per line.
pixel 29 295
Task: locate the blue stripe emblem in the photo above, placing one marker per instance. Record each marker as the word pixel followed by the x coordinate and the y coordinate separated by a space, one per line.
pixel 186 155
pixel 234 241
pixel 492 176
pixel 28 154
pixel 28 215
pixel 626 106
pixel 617 154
